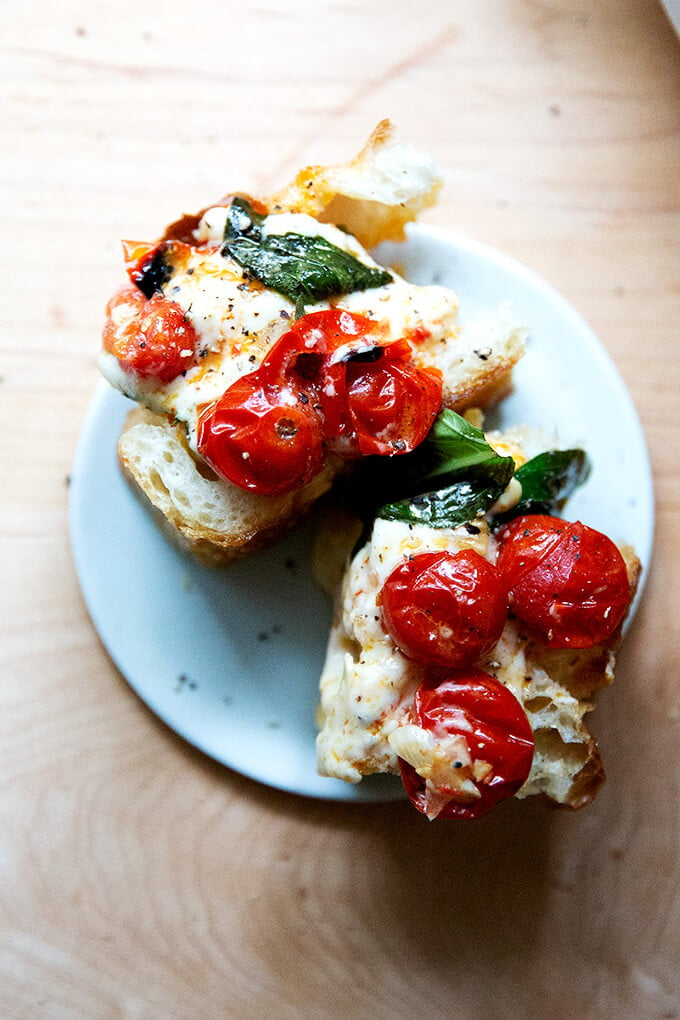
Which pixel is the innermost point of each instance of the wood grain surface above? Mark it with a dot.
(137, 877)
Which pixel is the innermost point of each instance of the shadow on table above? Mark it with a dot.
(480, 884)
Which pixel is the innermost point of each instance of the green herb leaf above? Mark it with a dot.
(447, 508)
(451, 478)
(547, 481)
(304, 269)
(460, 445)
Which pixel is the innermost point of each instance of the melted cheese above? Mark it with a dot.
(367, 685)
(237, 319)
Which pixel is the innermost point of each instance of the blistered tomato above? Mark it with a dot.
(263, 440)
(567, 581)
(391, 405)
(331, 383)
(474, 706)
(151, 337)
(443, 608)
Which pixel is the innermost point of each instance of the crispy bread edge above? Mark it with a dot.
(211, 547)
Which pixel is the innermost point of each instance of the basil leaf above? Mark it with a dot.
(304, 269)
(467, 473)
(547, 481)
(459, 445)
(155, 271)
(447, 508)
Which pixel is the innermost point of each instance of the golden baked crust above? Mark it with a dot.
(373, 196)
(200, 512)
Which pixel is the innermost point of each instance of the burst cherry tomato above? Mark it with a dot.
(476, 706)
(373, 400)
(150, 337)
(567, 581)
(347, 367)
(391, 405)
(265, 440)
(312, 341)
(331, 382)
(444, 609)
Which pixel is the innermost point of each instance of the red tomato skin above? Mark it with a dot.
(345, 368)
(156, 340)
(259, 442)
(136, 254)
(375, 404)
(392, 407)
(333, 363)
(444, 609)
(240, 434)
(566, 581)
(313, 340)
(475, 705)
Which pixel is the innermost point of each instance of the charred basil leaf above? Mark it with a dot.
(455, 476)
(447, 508)
(451, 478)
(154, 271)
(304, 269)
(547, 481)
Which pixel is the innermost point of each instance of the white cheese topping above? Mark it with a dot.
(367, 684)
(237, 319)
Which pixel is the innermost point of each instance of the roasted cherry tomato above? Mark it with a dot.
(476, 706)
(391, 405)
(375, 401)
(372, 398)
(444, 609)
(566, 581)
(330, 382)
(343, 368)
(150, 337)
(265, 440)
(312, 341)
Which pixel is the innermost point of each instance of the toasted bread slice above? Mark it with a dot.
(219, 522)
(373, 196)
(237, 320)
(367, 685)
(202, 513)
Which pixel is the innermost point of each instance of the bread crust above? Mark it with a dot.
(201, 513)
(366, 196)
(583, 673)
(374, 196)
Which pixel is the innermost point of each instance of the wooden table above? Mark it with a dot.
(140, 879)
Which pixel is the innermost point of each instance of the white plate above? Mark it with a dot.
(230, 659)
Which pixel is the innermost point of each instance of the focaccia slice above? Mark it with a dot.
(237, 320)
(367, 685)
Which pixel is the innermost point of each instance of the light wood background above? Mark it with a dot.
(138, 878)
